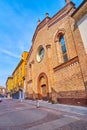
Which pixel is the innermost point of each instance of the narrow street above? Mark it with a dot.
(17, 115)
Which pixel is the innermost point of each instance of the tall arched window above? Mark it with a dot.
(63, 47)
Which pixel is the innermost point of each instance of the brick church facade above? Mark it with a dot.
(56, 68)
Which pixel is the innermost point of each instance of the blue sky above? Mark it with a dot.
(18, 21)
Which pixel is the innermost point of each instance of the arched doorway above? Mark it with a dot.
(21, 94)
(43, 91)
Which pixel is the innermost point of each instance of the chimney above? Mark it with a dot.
(67, 1)
(47, 15)
(38, 21)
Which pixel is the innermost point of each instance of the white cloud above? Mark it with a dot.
(9, 53)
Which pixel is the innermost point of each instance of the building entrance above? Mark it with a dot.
(21, 94)
(43, 91)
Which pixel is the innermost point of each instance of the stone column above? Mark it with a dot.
(59, 52)
(32, 79)
(50, 70)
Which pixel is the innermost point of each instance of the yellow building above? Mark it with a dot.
(9, 85)
(19, 74)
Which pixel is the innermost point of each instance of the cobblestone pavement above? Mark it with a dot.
(16, 115)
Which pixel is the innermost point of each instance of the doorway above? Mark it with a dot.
(21, 94)
(43, 91)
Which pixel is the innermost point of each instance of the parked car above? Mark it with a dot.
(0, 100)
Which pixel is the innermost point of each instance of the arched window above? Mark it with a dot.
(63, 47)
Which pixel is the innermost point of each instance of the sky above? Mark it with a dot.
(18, 21)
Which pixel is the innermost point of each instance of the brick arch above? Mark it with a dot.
(58, 34)
(43, 86)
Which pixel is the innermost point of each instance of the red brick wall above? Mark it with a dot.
(69, 79)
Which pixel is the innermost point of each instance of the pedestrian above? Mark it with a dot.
(37, 103)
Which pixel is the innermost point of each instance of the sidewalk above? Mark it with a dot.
(68, 108)
(73, 117)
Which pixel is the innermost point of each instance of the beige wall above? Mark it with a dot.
(82, 25)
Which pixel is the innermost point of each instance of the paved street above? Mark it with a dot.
(17, 115)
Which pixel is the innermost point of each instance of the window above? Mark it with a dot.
(63, 47)
(40, 53)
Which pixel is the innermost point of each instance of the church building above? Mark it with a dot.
(56, 68)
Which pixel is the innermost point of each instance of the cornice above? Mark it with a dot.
(61, 14)
(30, 81)
(80, 11)
(68, 63)
(48, 46)
(82, 4)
